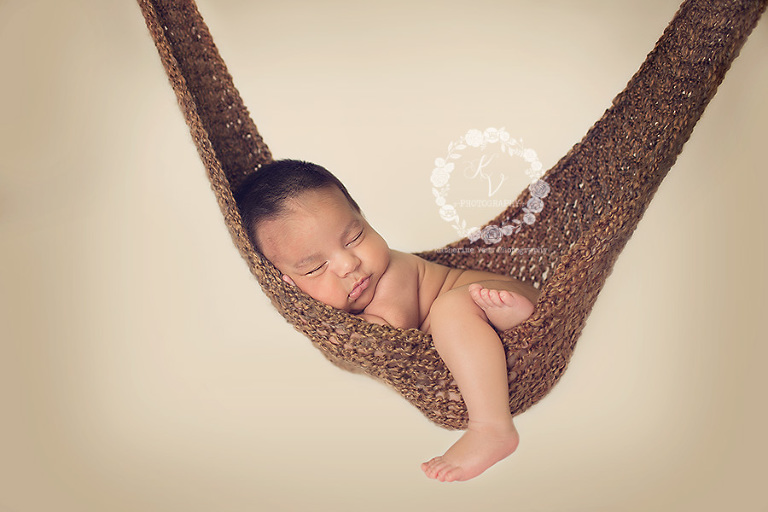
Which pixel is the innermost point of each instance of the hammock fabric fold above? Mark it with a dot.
(598, 193)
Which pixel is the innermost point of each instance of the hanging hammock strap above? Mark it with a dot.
(629, 150)
(224, 133)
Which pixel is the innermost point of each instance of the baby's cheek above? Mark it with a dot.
(327, 291)
(307, 287)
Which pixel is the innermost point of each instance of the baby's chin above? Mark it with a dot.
(357, 307)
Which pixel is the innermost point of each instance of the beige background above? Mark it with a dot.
(142, 369)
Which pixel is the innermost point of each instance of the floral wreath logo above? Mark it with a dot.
(444, 167)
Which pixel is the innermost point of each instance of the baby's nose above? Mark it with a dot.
(348, 263)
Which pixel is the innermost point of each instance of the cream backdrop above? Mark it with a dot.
(143, 370)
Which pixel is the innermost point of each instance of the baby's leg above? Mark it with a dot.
(473, 352)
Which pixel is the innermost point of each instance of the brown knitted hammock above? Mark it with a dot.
(600, 190)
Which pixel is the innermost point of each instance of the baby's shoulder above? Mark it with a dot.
(432, 278)
(404, 273)
(406, 263)
(427, 273)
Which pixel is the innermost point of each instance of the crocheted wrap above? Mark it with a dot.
(601, 189)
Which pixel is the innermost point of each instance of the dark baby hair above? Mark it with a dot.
(263, 194)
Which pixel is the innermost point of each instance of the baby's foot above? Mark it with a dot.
(479, 448)
(504, 309)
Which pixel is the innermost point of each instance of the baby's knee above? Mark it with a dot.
(454, 304)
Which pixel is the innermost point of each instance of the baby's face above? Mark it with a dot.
(327, 249)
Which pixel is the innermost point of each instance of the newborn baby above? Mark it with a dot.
(301, 218)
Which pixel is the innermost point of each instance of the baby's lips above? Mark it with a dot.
(359, 288)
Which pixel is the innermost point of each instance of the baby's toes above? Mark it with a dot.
(495, 298)
(479, 295)
(488, 296)
(427, 465)
(431, 467)
(451, 475)
(474, 292)
(446, 472)
(506, 298)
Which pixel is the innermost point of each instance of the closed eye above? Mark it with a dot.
(315, 270)
(357, 237)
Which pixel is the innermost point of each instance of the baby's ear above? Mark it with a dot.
(288, 280)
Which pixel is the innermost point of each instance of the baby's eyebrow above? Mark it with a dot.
(353, 225)
(304, 262)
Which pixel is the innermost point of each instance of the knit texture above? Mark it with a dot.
(598, 192)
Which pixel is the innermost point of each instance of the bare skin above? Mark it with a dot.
(326, 248)
(481, 374)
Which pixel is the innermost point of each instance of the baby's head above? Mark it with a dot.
(302, 219)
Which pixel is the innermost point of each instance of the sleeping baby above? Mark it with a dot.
(303, 220)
